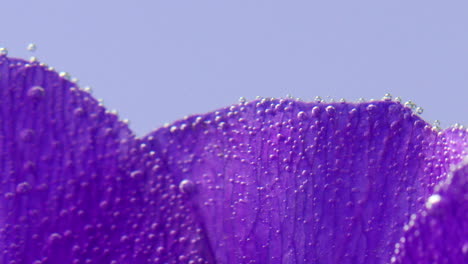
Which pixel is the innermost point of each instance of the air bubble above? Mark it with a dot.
(54, 237)
(433, 199)
(186, 186)
(410, 105)
(88, 89)
(301, 115)
(3, 51)
(387, 97)
(23, 187)
(330, 110)
(136, 174)
(316, 111)
(65, 75)
(31, 47)
(436, 125)
(371, 108)
(36, 92)
(419, 110)
(27, 135)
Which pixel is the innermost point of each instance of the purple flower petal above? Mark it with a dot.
(270, 181)
(439, 234)
(279, 181)
(76, 186)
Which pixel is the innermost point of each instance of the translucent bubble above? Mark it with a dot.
(371, 108)
(316, 111)
(31, 47)
(330, 110)
(436, 125)
(36, 92)
(387, 97)
(27, 135)
(301, 115)
(419, 110)
(54, 237)
(65, 75)
(3, 51)
(88, 89)
(23, 187)
(410, 104)
(186, 186)
(433, 199)
(136, 174)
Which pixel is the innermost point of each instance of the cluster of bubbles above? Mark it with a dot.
(387, 97)
(32, 47)
(436, 125)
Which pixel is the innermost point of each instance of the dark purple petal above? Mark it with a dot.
(280, 181)
(439, 234)
(76, 187)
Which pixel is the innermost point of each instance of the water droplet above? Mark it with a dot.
(3, 51)
(36, 92)
(398, 99)
(65, 75)
(436, 125)
(330, 109)
(31, 47)
(242, 100)
(54, 237)
(410, 105)
(301, 115)
(433, 199)
(136, 174)
(387, 97)
(79, 112)
(316, 111)
(371, 108)
(88, 89)
(27, 135)
(186, 186)
(419, 110)
(318, 99)
(23, 187)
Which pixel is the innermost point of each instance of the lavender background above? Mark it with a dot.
(157, 61)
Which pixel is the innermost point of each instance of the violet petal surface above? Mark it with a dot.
(269, 181)
(77, 187)
(439, 234)
(281, 181)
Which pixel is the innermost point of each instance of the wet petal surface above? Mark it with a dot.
(269, 181)
(76, 186)
(280, 181)
(439, 234)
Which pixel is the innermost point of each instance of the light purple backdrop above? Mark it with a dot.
(157, 61)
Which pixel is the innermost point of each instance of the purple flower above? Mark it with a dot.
(267, 181)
